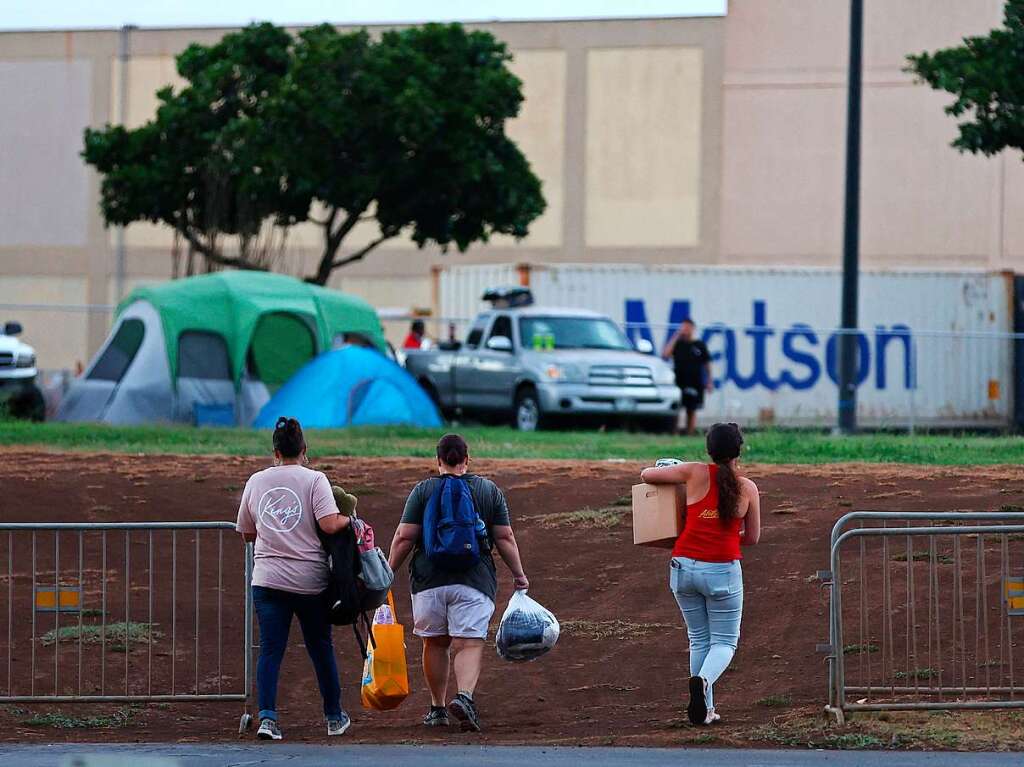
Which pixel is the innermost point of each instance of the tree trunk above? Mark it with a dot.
(332, 242)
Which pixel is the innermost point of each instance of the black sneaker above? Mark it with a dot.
(269, 730)
(463, 708)
(437, 717)
(697, 711)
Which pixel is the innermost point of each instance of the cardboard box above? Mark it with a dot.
(658, 514)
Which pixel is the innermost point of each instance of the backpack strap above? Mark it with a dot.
(369, 634)
(359, 639)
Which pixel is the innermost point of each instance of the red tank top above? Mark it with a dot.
(704, 537)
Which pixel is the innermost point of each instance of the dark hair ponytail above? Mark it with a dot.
(452, 450)
(288, 438)
(724, 442)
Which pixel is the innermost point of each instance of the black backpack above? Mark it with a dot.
(345, 596)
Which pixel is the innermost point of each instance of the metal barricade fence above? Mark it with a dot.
(126, 612)
(925, 611)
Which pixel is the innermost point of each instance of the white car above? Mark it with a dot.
(19, 394)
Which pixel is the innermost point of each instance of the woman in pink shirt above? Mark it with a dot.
(281, 509)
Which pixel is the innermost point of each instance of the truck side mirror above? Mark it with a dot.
(499, 344)
(12, 329)
(644, 346)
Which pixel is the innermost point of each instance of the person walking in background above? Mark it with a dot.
(281, 508)
(692, 363)
(417, 336)
(453, 607)
(723, 512)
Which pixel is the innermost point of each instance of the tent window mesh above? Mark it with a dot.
(120, 352)
(281, 344)
(203, 355)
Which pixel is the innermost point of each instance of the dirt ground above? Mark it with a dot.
(617, 675)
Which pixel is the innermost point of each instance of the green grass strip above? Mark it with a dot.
(772, 446)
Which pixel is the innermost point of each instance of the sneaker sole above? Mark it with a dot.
(438, 723)
(697, 711)
(456, 709)
(267, 736)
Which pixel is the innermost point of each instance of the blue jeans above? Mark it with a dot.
(710, 595)
(274, 609)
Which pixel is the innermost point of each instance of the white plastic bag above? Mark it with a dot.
(527, 629)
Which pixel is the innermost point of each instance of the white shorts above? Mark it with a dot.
(455, 611)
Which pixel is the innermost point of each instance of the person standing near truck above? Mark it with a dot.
(692, 362)
(417, 336)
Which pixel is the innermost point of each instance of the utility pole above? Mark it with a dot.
(848, 346)
(124, 54)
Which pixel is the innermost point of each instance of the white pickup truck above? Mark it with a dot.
(532, 364)
(20, 397)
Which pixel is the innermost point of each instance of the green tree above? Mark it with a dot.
(406, 132)
(986, 75)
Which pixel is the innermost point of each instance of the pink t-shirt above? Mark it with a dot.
(281, 505)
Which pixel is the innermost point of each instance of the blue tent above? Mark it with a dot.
(352, 386)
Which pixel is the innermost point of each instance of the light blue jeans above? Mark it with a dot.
(710, 595)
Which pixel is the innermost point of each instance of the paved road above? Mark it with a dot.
(272, 755)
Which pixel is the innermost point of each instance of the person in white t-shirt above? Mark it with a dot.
(281, 509)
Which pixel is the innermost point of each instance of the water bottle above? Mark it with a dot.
(384, 615)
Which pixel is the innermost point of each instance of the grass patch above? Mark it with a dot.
(775, 701)
(917, 673)
(118, 635)
(624, 500)
(61, 721)
(924, 556)
(853, 649)
(898, 730)
(600, 519)
(613, 629)
(767, 446)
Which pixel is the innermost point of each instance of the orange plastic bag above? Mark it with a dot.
(385, 674)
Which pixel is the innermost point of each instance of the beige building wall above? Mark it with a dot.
(716, 140)
(784, 102)
(621, 121)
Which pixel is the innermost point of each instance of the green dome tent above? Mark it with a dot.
(213, 348)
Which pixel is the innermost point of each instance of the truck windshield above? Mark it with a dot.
(571, 333)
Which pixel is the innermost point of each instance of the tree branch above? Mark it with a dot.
(332, 241)
(214, 255)
(361, 253)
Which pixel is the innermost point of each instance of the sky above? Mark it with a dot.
(91, 14)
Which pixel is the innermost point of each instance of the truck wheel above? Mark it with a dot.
(28, 404)
(527, 411)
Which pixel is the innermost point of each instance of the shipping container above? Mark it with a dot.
(935, 348)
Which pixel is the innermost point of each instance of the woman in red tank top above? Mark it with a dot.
(723, 512)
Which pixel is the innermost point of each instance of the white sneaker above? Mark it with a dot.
(712, 717)
(338, 726)
(269, 730)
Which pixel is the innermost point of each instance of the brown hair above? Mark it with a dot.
(288, 438)
(452, 450)
(724, 442)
